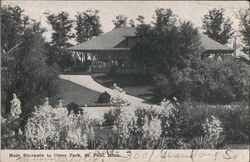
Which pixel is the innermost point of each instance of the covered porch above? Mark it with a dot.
(107, 61)
(218, 54)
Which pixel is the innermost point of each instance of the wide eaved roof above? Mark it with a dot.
(211, 45)
(109, 40)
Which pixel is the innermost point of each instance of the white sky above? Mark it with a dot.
(186, 10)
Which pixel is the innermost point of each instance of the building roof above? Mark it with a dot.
(211, 45)
(109, 41)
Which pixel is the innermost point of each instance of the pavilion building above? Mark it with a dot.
(111, 52)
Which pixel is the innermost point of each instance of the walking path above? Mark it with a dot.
(88, 82)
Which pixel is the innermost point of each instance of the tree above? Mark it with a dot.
(245, 30)
(120, 20)
(62, 25)
(36, 79)
(166, 45)
(13, 24)
(217, 27)
(140, 19)
(23, 67)
(132, 23)
(62, 28)
(172, 49)
(164, 19)
(87, 25)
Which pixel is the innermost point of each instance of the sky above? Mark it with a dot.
(186, 10)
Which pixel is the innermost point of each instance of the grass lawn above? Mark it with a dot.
(135, 85)
(71, 92)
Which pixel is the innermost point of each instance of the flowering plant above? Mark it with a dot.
(118, 97)
(149, 127)
(213, 131)
(15, 105)
(50, 128)
(213, 135)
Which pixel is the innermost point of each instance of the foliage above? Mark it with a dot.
(48, 128)
(217, 27)
(165, 19)
(152, 127)
(132, 23)
(56, 56)
(140, 19)
(166, 45)
(120, 21)
(206, 81)
(66, 59)
(13, 25)
(74, 108)
(172, 124)
(233, 118)
(24, 70)
(213, 130)
(172, 48)
(104, 97)
(15, 106)
(245, 29)
(62, 26)
(168, 126)
(87, 25)
(118, 98)
(110, 116)
(11, 134)
(51, 128)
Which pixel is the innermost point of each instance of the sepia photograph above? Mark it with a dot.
(125, 75)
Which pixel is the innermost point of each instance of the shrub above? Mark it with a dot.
(213, 137)
(118, 98)
(104, 97)
(234, 120)
(51, 128)
(209, 81)
(188, 125)
(149, 127)
(75, 108)
(110, 116)
(162, 88)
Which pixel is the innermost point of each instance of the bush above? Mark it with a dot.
(75, 108)
(234, 119)
(104, 97)
(110, 116)
(119, 97)
(50, 128)
(189, 125)
(209, 81)
(149, 127)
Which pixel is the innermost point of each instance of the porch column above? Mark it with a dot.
(85, 56)
(92, 60)
(82, 58)
(74, 55)
(109, 61)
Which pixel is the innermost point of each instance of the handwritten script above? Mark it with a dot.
(125, 155)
